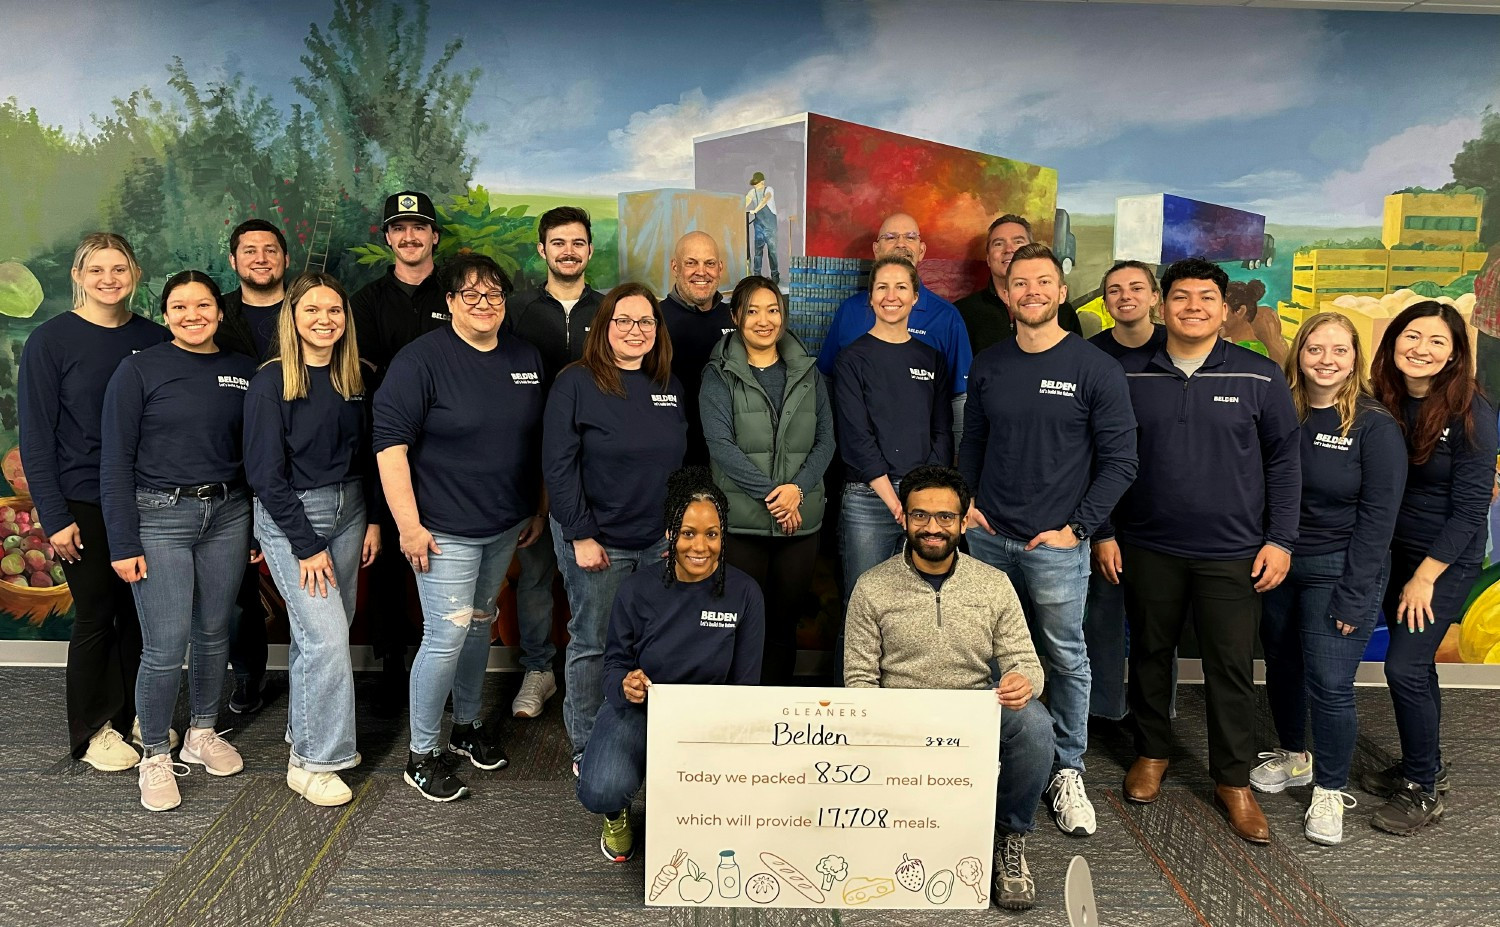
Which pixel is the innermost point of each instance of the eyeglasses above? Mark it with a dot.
(893, 237)
(624, 325)
(919, 517)
(472, 297)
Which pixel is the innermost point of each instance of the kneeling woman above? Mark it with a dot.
(171, 479)
(307, 456)
(656, 635)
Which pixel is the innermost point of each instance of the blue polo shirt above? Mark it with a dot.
(933, 321)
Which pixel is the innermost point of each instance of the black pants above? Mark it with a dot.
(386, 616)
(1225, 611)
(783, 567)
(104, 651)
(247, 630)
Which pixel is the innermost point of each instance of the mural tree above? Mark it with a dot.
(1478, 165)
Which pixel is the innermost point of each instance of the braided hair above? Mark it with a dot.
(684, 487)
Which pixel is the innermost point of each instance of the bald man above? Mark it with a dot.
(933, 320)
(697, 318)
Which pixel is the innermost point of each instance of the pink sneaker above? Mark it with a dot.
(158, 782)
(204, 747)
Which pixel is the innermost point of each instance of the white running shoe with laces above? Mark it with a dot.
(1324, 821)
(1071, 808)
(536, 688)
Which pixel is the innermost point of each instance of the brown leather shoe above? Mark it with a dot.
(1143, 782)
(1245, 817)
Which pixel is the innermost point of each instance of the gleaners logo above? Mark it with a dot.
(664, 400)
(823, 708)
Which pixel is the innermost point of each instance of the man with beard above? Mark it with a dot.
(389, 313)
(1049, 445)
(901, 634)
(697, 317)
(555, 318)
(258, 256)
(986, 314)
(933, 319)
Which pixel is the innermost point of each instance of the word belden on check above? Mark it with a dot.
(784, 734)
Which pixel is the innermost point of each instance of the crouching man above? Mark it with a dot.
(933, 618)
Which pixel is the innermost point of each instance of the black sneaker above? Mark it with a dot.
(1409, 810)
(467, 740)
(1384, 783)
(430, 774)
(247, 698)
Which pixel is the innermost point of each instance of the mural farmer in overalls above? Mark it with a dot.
(760, 205)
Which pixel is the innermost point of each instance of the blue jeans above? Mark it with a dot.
(458, 594)
(534, 601)
(765, 237)
(196, 550)
(1052, 584)
(1026, 748)
(320, 706)
(1409, 668)
(613, 768)
(591, 596)
(1107, 633)
(868, 535)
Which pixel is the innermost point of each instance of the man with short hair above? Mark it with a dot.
(986, 314)
(555, 318)
(760, 205)
(902, 634)
(390, 313)
(697, 317)
(1049, 445)
(1207, 526)
(933, 320)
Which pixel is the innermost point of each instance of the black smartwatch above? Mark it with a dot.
(1079, 531)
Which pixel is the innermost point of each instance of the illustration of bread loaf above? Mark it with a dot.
(793, 876)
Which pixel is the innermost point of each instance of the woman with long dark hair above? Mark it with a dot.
(1423, 373)
(615, 429)
(1315, 625)
(769, 428)
(65, 367)
(172, 483)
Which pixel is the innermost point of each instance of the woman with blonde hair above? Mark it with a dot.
(307, 457)
(1315, 625)
(65, 368)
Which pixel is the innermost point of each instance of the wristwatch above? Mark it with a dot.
(1079, 531)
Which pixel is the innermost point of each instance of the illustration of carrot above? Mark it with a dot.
(667, 876)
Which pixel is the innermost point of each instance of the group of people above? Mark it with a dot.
(668, 457)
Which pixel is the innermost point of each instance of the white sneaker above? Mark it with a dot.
(1324, 821)
(536, 688)
(206, 748)
(135, 735)
(1282, 769)
(158, 782)
(320, 788)
(1071, 808)
(108, 751)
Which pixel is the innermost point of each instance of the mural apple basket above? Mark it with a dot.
(31, 602)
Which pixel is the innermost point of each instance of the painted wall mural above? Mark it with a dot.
(1318, 176)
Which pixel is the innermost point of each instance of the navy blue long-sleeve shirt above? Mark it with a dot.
(1049, 437)
(320, 440)
(1351, 490)
(683, 633)
(1105, 341)
(471, 422)
(1221, 473)
(607, 458)
(172, 418)
(892, 407)
(65, 368)
(1447, 499)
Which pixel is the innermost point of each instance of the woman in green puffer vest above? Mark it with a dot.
(770, 437)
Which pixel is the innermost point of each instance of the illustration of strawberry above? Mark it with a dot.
(910, 874)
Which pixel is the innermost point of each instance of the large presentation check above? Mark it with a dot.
(792, 797)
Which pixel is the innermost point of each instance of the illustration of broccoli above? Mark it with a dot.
(834, 869)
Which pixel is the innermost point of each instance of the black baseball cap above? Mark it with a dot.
(409, 205)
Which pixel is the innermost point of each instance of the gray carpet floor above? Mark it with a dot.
(76, 848)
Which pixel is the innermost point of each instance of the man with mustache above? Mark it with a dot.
(933, 618)
(986, 314)
(697, 317)
(390, 313)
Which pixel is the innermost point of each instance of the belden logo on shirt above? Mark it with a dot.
(1332, 442)
(1226, 399)
(719, 620)
(1057, 388)
(526, 378)
(442, 317)
(664, 400)
(234, 382)
(917, 373)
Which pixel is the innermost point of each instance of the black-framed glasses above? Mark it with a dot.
(495, 298)
(624, 325)
(919, 517)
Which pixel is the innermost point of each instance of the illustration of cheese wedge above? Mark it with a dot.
(862, 889)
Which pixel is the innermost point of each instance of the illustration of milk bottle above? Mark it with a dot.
(729, 875)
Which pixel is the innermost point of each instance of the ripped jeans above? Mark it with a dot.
(458, 594)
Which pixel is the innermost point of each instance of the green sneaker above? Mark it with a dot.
(616, 842)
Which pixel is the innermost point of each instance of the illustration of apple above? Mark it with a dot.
(695, 886)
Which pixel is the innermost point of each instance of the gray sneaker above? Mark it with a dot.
(1324, 821)
(536, 688)
(1014, 888)
(1281, 770)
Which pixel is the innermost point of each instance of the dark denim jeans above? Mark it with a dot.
(1309, 662)
(614, 766)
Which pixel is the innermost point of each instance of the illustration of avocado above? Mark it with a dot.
(940, 887)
